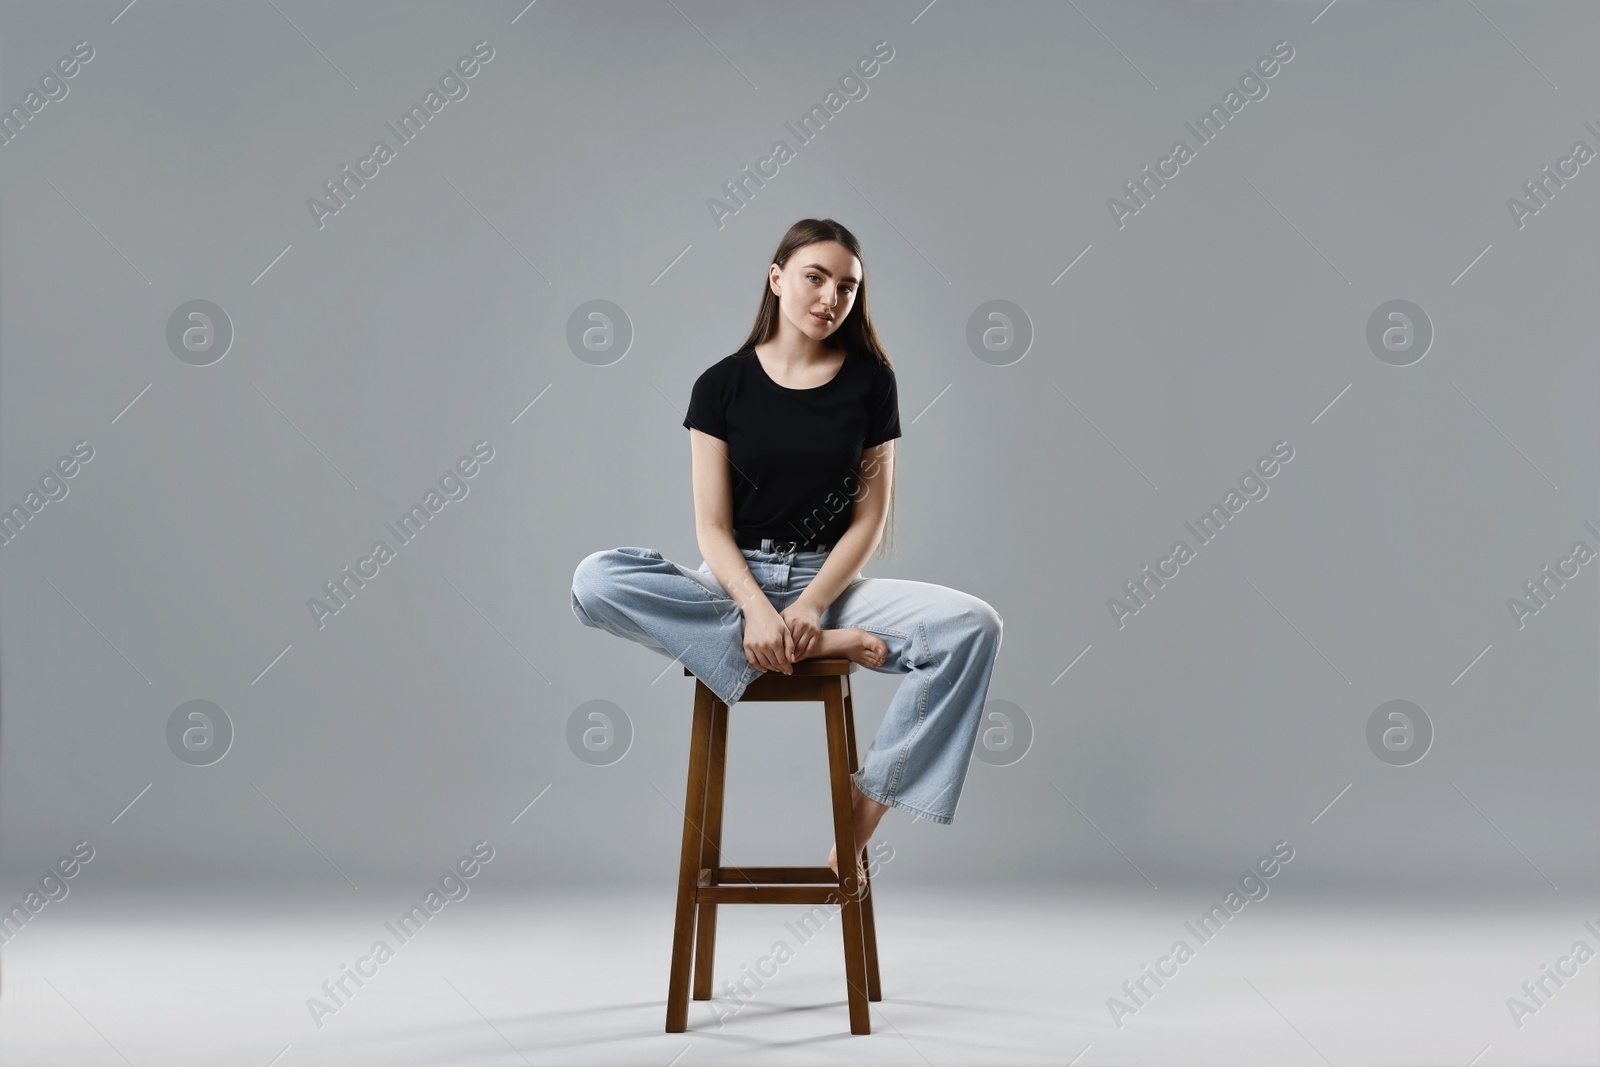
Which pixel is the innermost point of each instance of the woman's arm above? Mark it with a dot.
(851, 551)
(768, 644)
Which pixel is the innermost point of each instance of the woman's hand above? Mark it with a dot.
(805, 624)
(768, 644)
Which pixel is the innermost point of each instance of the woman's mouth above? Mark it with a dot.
(823, 319)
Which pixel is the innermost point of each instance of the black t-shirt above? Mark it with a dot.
(795, 454)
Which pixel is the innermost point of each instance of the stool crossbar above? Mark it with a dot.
(703, 883)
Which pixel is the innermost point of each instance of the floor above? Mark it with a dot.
(970, 976)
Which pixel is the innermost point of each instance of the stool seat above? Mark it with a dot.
(805, 667)
(703, 882)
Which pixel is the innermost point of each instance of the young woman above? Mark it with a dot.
(792, 444)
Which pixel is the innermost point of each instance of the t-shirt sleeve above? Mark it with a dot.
(883, 420)
(707, 412)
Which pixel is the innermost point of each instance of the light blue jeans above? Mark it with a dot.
(944, 641)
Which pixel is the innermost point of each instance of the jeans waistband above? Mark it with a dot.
(781, 546)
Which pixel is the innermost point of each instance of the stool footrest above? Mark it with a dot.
(770, 876)
(768, 885)
(769, 894)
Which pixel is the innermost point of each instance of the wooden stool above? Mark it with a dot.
(703, 883)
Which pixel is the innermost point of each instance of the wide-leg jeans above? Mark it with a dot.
(943, 640)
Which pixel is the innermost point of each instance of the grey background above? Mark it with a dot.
(430, 312)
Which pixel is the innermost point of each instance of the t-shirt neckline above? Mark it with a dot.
(786, 389)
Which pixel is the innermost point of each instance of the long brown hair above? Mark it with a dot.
(856, 335)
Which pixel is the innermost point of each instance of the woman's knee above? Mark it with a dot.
(987, 620)
(977, 619)
(595, 577)
(597, 573)
(592, 572)
(587, 578)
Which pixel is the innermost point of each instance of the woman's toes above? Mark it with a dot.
(872, 651)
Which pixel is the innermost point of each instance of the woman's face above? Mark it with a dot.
(817, 287)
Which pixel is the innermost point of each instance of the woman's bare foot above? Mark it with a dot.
(856, 645)
(865, 814)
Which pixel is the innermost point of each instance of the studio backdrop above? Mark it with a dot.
(1246, 365)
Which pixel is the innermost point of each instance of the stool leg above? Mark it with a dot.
(689, 861)
(705, 946)
(868, 927)
(850, 893)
